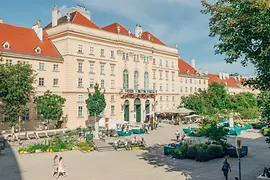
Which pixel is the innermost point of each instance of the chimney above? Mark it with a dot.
(58, 14)
(193, 63)
(224, 76)
(220, 75)
(54, 16)
(1, 21)
(138, 31)
(38, 30)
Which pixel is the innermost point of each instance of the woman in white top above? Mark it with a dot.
(61, 168)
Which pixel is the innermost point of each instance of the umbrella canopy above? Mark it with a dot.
(177, 111)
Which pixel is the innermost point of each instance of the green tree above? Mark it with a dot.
(96, 102)
(243, 29)
(210, 129)
(50, 106)
(16, 89)
(264, 105)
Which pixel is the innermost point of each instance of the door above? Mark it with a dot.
(137, 105)
(147, 107)
(126, 111)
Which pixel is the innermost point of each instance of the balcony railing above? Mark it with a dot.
(139, 91)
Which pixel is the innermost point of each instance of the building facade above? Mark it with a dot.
(137, 71)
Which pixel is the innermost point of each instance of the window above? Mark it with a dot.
(127, 56)
(124, 56)
(160, 75)
(160, 62)
(80, 111)
(25, 62)
(138, 58)
(41, 66)
(125, 79)
(160, 86)
(160, 107)
(6, 45)
(8, 61)
(91, 50)
(167, 63)
(80, 49)
(102, 68)
(112, 54)
(41, 81)
(181, 79)
(136, 80)
(204, 82)
(102, 53)
(195, 89)
(80, 82)
(112, 69)
(181, 88)
(55, 82)
(154, 86)
(154, 61)
(167, 87)
(199, 81)
(112, 98)
(190, 80)
(167, 106)
(146, 80)
(172, 64)
(91, 67)
(112, 83)
(144, 59)
(173, 99)
(173, 87)
(167, 98)
(92, 83)
(160, 98)
(102, 84)
(173, 76)
(154, 74)
(134, 57)
(38, 50)
(80, 97)
(112, 109)
(186, 89)
(80, 67)
(190, 89)
(167, 75)
(55, 67)
(186, 80)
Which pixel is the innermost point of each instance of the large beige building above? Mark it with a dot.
(137, 70)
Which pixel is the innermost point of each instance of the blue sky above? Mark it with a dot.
(172, 21)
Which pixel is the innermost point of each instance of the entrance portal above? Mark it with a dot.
(137, 105)
(126, 110)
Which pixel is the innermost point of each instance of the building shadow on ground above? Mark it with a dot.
(9, 166)
(154, 156)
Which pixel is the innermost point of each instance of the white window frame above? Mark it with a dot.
(55, 67)
(80, 98)
(41, 66)
(102, 53)
(80, 49)
(92, 67)
(55, 82)
(92, 50)
(112, 109)
(112, 83)
(102, 68)
(92, 83)
(41, 82)
(112, 69)
(102, 84)
(80, 82)
(80, 111)
(80, 67)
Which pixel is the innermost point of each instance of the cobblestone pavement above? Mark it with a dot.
(149, 164)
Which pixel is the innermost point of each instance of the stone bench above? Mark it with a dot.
(51, 133)
(32, 136)
(23, 137)
(42, 135)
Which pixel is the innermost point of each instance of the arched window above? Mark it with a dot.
(146, 80)
(125, 79)
(136, 80)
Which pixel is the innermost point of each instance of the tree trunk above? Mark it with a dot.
(96, 128)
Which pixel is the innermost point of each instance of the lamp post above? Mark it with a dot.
(238, 142)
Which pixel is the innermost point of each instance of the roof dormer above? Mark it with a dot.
(38, 50)
(6, 45)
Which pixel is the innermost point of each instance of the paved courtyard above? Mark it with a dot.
(148, 164)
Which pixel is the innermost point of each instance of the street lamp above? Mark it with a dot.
(238, 143)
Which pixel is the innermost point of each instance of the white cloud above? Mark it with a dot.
(64, 9)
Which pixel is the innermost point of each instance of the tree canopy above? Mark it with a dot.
(243, 29)
(50, 106)
(96, 102)
(216, 100)
(16, 89)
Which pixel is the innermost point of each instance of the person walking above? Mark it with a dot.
(177, 134)
(61, 168)
(225, 168)
(55, 165)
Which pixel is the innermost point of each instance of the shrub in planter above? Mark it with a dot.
(184, 148)
(203, 154)
(177, 153)
(215, 151)
(192, 151)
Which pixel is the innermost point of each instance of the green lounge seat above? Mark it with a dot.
(121, 133)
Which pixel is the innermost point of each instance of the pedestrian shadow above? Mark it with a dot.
(9, 166)
(154, 156)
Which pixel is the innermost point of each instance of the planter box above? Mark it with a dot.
(168, 150)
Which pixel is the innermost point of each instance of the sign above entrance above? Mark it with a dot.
(140, 91)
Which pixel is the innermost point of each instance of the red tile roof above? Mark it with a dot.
(113, 28)
(24, 41)
(228, 81)
(76, 18)
(185, 68)
(153, 38)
